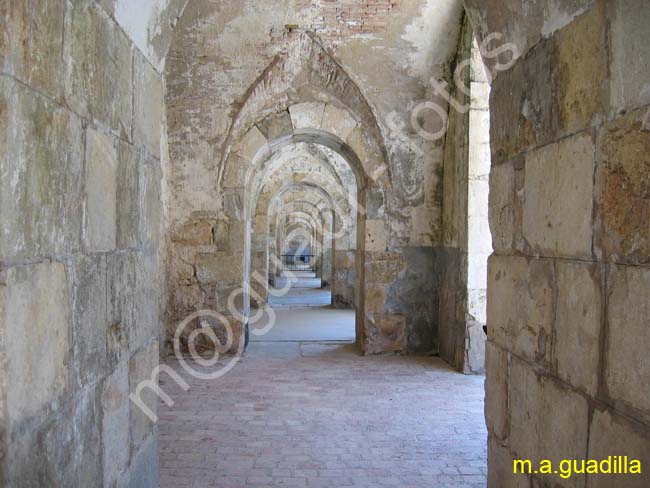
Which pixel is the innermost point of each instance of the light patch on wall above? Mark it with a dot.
(135, 17)
(144, 22)
(429, 33)
(408, 178)
(556, 15)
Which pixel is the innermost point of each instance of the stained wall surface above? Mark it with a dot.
(567, 367)
(81, 213)
(93, 207)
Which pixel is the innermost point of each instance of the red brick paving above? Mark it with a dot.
(322, 416)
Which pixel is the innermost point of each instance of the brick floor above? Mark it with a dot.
(313, 415)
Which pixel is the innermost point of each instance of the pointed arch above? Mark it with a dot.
(305, 73)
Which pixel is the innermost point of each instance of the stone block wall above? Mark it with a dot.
(406, 296)
(206, 267)
(569, 281)
(80, 211)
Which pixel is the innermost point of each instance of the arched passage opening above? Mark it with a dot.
(322, 217)
(305, 96)
(316, 255)
(304, 177)
(336, 182)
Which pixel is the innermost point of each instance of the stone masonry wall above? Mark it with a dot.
(81, 118)
(567, 357)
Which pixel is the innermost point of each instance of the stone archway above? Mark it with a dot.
(329, 198)
(321, 215)
(333, 142)
(252, 142)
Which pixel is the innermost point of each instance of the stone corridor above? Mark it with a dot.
(464, 186)
(318, 415)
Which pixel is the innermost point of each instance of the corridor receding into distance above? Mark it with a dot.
(324, 243)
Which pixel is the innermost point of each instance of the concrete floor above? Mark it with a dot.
(303, 315)
(314, 324)
(301, 298)
(319, 415)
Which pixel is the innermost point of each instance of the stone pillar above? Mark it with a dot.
(259, 282)
(328, 248)
(479, 239)
(272, 253)
(344, 279)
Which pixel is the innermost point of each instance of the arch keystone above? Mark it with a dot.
(307, 115)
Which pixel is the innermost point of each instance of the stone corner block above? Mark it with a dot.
(96, 44)
(613, 435)
(376, 238)
(219, 267)
(142, 366)
(276, 126)
(621, 191)
(630, 39)
(496, 390)
(90, 319)
(34, 41)
(307, 115)
(338, 121)
(115, 424)
(41, 170)
(385, 333)
(560, 433)
(148, 96)
(501, 208)
(500, 473)
(127, 203)
(578, 324)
